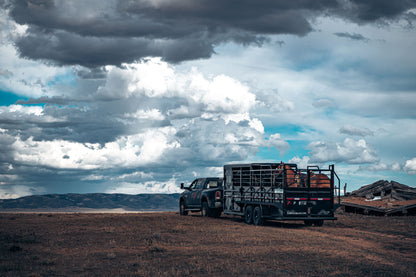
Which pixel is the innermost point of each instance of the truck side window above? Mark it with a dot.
(193, 185)
(200, 184)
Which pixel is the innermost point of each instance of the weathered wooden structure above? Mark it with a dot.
(385, 189)
(381, 198)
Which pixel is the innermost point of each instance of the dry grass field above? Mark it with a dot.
(167, 244)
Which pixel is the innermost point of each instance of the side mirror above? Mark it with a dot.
(182, 186)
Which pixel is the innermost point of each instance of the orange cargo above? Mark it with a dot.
(320, 181)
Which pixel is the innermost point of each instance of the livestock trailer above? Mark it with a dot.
(281, 191)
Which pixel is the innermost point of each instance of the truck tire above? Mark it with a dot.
(182, 209)
(257, 216)
(205, 210)
(308, 222)
(248, 214)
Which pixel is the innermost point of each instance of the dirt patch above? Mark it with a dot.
(167, 244)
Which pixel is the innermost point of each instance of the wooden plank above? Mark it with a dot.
(408, 210)
(362, 209)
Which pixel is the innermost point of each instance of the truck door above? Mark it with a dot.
(188, 197)
(196, 193)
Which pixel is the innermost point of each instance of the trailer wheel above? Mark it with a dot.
(182, 209)
(318, 223)
(257, 216)
(205, 211)
(248, 214)
(308, 222)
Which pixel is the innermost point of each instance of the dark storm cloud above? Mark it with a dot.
(353, 36)
(68, 123)
(410, 17)
(79, 125)
(92, 73)
(112, 32)
(96, 33)
(167, 19)
(6, 147)
(43, 179)
(70, 48)
(371, 10)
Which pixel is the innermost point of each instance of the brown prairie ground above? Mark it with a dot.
(167, 244)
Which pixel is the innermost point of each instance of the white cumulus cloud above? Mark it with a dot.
(147, 116)
(349, 151)
(126, 151)
(301, 162)
(410, 166)
(276, 141)
(155, 79)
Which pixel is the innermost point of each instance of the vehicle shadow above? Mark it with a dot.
(282, 224)
(269, 223)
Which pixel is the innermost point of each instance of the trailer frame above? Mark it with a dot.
(281, 191)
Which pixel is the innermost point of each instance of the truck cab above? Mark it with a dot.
(204, 195)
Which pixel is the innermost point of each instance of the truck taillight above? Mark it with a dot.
(218, 195)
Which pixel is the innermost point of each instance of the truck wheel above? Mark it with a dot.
(308, 222)
(248, 214)
(182, 209)
(318, 223)
(257, 216)
(205, 211)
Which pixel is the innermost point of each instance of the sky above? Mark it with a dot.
(119, 96)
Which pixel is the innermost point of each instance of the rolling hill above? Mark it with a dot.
(97, 201)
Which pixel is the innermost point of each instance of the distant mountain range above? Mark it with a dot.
(96, 201)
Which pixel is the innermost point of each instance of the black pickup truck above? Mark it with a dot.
(205, 195)
(261, 191)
